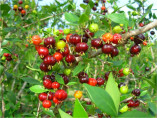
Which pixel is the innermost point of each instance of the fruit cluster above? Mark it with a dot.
(20, 8)
(9, 57)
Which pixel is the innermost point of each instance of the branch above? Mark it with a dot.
(38, 110)
(2, 91)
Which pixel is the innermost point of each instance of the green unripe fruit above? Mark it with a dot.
(126, 71)
(60, 44)
(66, 31)
(1, 69)
(117, 29)
(56, 32)
(67, 71)
(124, 89)
(134, 13)
(3, 58)
(5, 42)
(124, 109)
(93, 27)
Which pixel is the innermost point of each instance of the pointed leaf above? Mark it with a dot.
(59, 79)
(78, 69)
(38, 89)
(63, 114)
(72, 18)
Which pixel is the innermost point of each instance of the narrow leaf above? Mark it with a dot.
(31, 80)
(38, 89)
(78, 69)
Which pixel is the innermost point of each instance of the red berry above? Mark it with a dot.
(43, 52)
(88, 102)
(70, 58)
(116, 38)
(61, 95)
(121, 73)
(74, 39)
(88, 33)
(138, 39)
(144, 43)
(94, 8)
(106, 75)
(47, 103)
(20, 1)
(107, 48)
(84, 79)
(44, 67)
(50, 95)
(20, 8)
(136, 103)
(135, 49)
(68, 37)
(58, 56)
(47, 83)
(103, 8)
(55, 85)
(82, 74)
(65, 78)
(42, 96)
(84, 39)
(49, 60)
(7, 55)
(92, 82)
(115, 52)
(130, 103)
(69, 112)
(100, 81)
(36, 39)
(65, 52)
(49, 42)
(56, 101)
(81, 47)
(96, 43)
(23, 12)
(100, 115)
(141, 24)
(136, 92)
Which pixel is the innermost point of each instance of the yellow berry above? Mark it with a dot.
(15, 6)
(78, 94)
(26, 6)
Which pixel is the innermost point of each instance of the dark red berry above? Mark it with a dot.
(100, 81)
(115, 52)
(44, 67)
(107, 48)
(130, 103)
(49, 60)
(20, 8)
(136, 103)
(147, 68)
(53, 77)
(82, 74)
(136, 92)
(97, 43)
(50, 95)
(135, 49)
(20, 1)
(42, 96)
(43, 52)
(88, 102)
(66, 78)
(65, 52)
(94, 8)
(47, 77)
(106, 75)
(47, 103)
(47, 83)
(49, 42)
(70, 58)
(100, 115)
(138, 39)
(88, 34)
(84, 79)
(61, 95)
(116, 38)
(81, 47)
(74, 39)
(55, 85)
(86, 1)
(152, 32)
(69, 112)
(84, 39)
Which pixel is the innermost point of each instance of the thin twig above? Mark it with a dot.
(2, 91)
(38, 109)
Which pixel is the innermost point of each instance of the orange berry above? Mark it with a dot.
(108, 37)
(78, 94)
(103, 8)
(145, 43)
(15, 7)
(132, 38)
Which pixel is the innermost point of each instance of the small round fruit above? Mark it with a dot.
(121, 84)
(92, 82)
(74, 39)
(78, 94)
(147, 68)
(141, 24)
(103, 8)
(135, 13)
(93, 27)
(26, 6)
(130, 103)
(67, 71)
(88, 102)
(116, 38)
(23, 12)
(65, 78)
(49, 60)
(152, 32)
(66, 31)
(15, 7)
(83, 79)
(43, 52)
(56, 101)
(47, 83)
(121, 73)
(20, 1)
(70, 58)
(107, 37)
(42, 96)
(124, 109)
(50, 95)
(67, 37)
(69, 112)
(61, 95)
(124, 89)
(58, 56)
(44, 67)
(55, 85)
(96, 43)
(136, 103)
(47, 104)
(94, 8)
(136, 92)
(126, 71)
(88, 34)
(117, 29)
(20, 8)
(131, 38)
(36, 39)
(107, 75)
(100, 81)
(49, 42)
(144, 43)
(60, 44)
(138, 39)
(135, 49)
(107, 48)
(81, 47)
(100, 115)
(114, 52)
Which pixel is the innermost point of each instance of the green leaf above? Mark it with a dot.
(78, 69)
(31, 80)
(144, 93)
(131, 7)
(5, 8)
(151, 83)
(79, 111)
(118, 18)
(134, 114)
(99, 33)
(88, 10)
(101, 99)
(38, 89)
(71, 83)
(48, 112)
(83, 6)
(12, 97)
(59, 79)
(114, 92)
(83, 18)
(72, 18)
(153, 107)
(63, 114)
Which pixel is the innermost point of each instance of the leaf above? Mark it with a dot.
(118, 18)
(5, 8)
(71, 83)
(101, 99)
(12, 97)
(99, 33)
(83, 6)
(134, 114)
(83, 18)
(38, 89)
(59, 79)
(79, 111)
(31, 80)
(63, 114)
(144, 93)
(131, 7)
(78, 69)
(48, 112)
(151, 83)
(72, 18)
(114, 92)
(153, 107)
(88, 10)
